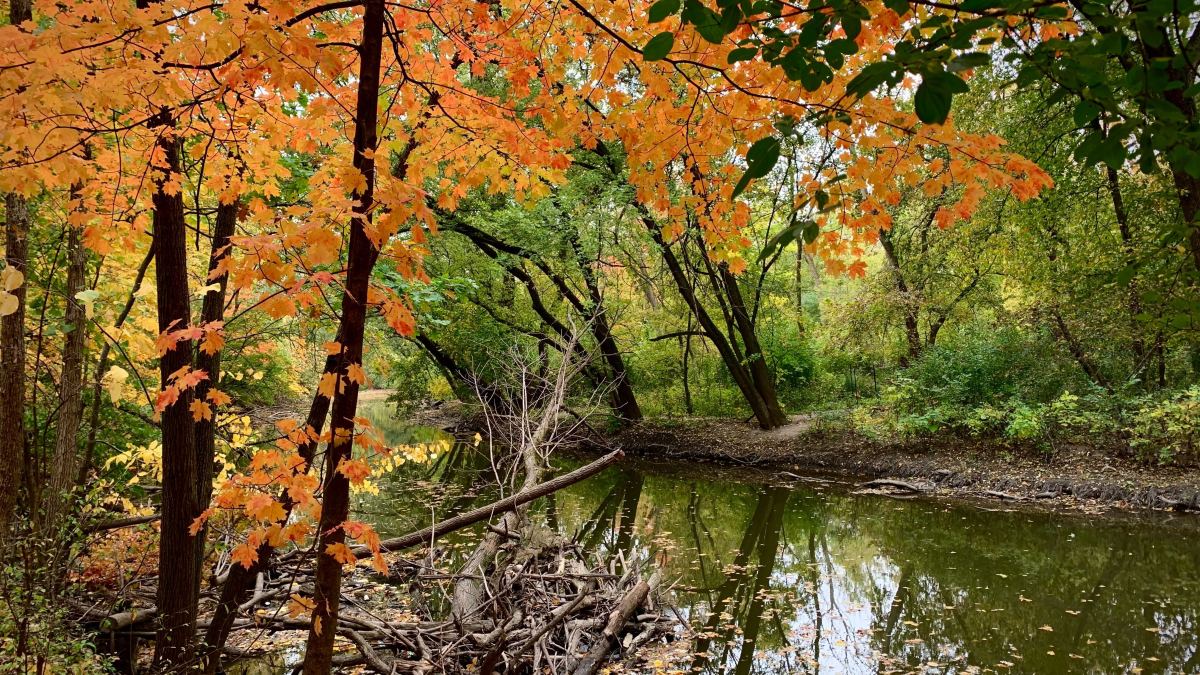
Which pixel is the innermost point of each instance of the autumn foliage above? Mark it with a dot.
(474, 98)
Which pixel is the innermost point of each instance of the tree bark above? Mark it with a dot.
(733, 364)
(12, 338)
(178, 564)
(12, 356)
(212, 311)
(361, 259)
(64, 468)
(911, 329)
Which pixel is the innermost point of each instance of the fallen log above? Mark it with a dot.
(92, 528)
(121, 620)
(625, 609)
(893, 483)
(487, 512)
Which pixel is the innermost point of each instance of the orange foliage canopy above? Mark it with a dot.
(493, 96)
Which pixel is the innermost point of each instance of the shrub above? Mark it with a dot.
(1168, 430)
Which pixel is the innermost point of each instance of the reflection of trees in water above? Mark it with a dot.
(740, 600)
(615, 515)
(863, 584)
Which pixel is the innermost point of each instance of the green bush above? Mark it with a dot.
(1168, 429)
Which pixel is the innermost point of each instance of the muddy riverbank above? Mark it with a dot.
(1075, 476)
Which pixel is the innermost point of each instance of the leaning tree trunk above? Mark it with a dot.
(741, 376)
(361, 259)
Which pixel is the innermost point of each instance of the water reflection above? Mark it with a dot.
(811, 578)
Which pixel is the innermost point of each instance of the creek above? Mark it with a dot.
(807, 576)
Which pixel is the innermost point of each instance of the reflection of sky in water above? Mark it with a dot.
(869, 584)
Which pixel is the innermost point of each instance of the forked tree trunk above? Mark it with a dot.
(361, 258)
(213, 310)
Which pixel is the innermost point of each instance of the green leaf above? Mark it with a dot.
(935, 95)
(706, 21)
(742, 54)
(662, 9)
(760, 159)
(795, 230)
(1085, 112)
(659, 46)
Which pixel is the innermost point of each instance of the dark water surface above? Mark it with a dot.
(806, 577)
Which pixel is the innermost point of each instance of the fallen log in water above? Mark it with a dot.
(495, 508)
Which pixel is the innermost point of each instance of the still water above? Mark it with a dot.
(807, 577)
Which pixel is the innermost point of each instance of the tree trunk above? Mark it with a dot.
(737, 370)
(1076, 348)
(178, 564)
(624, 402)
(240, 581)
(64, 468)
(361, 258)
(12, 338)
(12, 355)
(212, 311)
(911, 329)
(764, 381)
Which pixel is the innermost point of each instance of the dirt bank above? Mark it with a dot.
(1075, 476)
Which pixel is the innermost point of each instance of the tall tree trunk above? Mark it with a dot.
(240, 581)
(1077, 350)
(1134, 302)
(361, 258)
(212, 311)
(12, 361)
(764, 381)
(798, 287)
(178, 564)
(12, 338)
(64, 466)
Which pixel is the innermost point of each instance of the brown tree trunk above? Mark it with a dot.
(361, 258)
(12, 359)
(624, 402)
(178, 564)
(764, 382)
(1076, 348)
(911, 329)
(12, 338)
(213, 310)
(64, 467)
(743, 379)
(240, 581)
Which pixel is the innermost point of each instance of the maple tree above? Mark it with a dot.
(158, 121)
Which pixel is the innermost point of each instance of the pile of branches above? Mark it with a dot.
(543, 605)
(524, 599)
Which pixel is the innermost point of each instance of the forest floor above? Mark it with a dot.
(1074, 476)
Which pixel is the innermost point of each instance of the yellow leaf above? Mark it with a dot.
(11, 278)
(356, 374)
(341, 553)
(200, 411)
